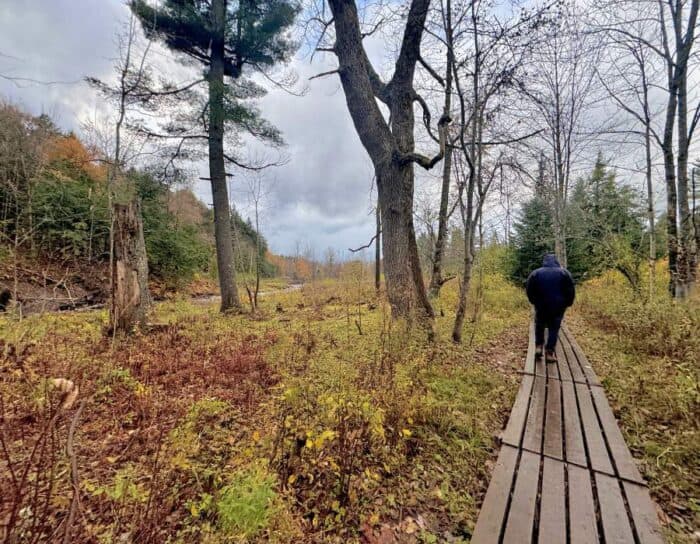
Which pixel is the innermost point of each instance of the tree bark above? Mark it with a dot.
(217, 170)
(378, 251)
(130, 298)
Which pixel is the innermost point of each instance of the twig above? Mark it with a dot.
(75, 481)
(371, 241)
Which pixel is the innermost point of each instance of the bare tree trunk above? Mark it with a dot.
(217, 171)
(436, 279)
(378, 251)
(687, 238)
(404, 278)
(130, 298)
(651, 215)
(468, 222)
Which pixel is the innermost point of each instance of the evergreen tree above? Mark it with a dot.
(228, 39)
(534, 237)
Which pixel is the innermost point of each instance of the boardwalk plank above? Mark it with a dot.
(616, 524)
(516, 421)
(522, 509)
(488, 526)
(532, 438)
(553, 371)
(590, 374)
(552, 434)
(577, 374)
(540, 368)
(582, 518)
(575, 450)
(624, 462)
(530, 357)
(597, 451)
(644, 514)
(562, 365)
(553, 503)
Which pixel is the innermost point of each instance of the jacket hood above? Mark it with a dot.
(550, 260)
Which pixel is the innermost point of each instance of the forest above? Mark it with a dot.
(267, 271)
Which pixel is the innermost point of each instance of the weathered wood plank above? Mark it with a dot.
(582, 519)
(552, 526)
(624, 462)
(553, 370)
(577, 374)
(562, 365)
(575, 450)
(516, 422)
(534, 425)
(488, 526)
(553, 445)
(540, 368)
(597, 451)
(522, 508)
(590, 374)
(613, 513)
(530, 357)
(646, 521)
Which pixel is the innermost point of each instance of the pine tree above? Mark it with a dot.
(229, 40)
(534, 237)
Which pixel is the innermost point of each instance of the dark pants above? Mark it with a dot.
(551, 321)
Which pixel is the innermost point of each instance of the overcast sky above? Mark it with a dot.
(321, 197)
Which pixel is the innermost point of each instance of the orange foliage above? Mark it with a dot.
(71, 151)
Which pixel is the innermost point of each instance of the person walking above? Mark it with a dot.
(550, 289)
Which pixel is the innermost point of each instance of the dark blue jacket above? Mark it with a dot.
(550, 288)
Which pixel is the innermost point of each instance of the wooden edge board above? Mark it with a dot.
(644, 515)
(490, 521)
(593, 434)
(624, 462)
(516, 422)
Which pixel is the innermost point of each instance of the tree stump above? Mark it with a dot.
(129, 289)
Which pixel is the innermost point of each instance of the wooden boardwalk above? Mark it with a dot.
(564, 473)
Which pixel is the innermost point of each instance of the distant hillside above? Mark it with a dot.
(54, 219)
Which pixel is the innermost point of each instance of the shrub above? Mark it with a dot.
(245, 506)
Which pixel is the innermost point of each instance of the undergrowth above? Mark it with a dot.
(647, 352)
(318, 419)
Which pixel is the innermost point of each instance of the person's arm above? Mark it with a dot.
(569, 288)
(530, 288)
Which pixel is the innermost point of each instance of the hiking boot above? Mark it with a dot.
(550, 356)
(538, 351)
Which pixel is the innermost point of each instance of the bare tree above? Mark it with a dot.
(630, 77)
(257, 194)
(487, 56)
(128, 262)
(389, 143)
(561, 88)
(669, 36)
